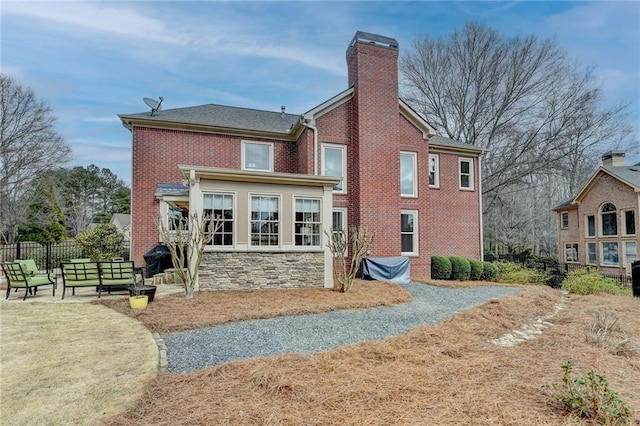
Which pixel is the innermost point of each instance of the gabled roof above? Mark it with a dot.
(218, 117)
(122, 219)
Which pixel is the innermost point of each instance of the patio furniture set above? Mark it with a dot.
(104, 276)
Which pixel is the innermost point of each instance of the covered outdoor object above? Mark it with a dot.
(393, 269)
(157, 260)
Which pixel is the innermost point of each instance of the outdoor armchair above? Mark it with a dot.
(79, 274)
(119, 274)
(18, 277)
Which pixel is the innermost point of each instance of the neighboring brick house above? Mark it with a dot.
(363, 157)
(599, 227)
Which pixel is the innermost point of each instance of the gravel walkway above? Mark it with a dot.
(196, 349)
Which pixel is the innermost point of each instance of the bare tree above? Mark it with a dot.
(345, 268)
(186, 239)
(537, 112)
(29, 147)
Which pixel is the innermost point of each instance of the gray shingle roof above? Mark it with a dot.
(438, 140)
(223, 116)
(629, 174)
(172, 189)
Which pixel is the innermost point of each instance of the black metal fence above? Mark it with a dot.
(49, 255)
(557, 269)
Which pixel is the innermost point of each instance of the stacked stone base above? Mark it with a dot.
(261, 270)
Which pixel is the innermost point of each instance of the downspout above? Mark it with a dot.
(480, 207)
(306, 122)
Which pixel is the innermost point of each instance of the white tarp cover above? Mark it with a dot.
(393, 269)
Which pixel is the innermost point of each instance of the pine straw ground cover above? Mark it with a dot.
(442, 375)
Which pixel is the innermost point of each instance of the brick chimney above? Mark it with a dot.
(613, 158)
(374, 163)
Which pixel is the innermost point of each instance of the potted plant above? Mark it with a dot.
(138, 300)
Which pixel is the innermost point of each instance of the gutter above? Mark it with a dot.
(306, 122)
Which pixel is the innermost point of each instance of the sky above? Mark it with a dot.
(93, 60)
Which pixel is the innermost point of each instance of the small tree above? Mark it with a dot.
(102, 243)
(186, 239)
(338, 242)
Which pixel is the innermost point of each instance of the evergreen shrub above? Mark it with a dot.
(440, 268)
(460, 268)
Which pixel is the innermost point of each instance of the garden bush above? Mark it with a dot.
(489, 271)
(440, 268)
(515, 274)
(589, 281)
(460, 268)
(476, 269)
(102, 243)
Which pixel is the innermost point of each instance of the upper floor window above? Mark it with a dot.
(219, 207)
(257, 156)
(265, 220)
(608, 216)
(334, 163)
(408, 181)
(565, 220)
(629, 222)
(591, 226)
(408, 232)
(307, 222)
(434, 170)
(466, 173)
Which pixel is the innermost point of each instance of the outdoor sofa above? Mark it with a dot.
(102, 275)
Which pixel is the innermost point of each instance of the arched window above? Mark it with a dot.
(609, 216)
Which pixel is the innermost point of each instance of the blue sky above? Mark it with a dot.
(93, 60)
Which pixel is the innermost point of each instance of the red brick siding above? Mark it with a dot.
(156, 156)
(454, 214)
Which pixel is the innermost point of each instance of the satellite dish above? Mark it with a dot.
(153, 104)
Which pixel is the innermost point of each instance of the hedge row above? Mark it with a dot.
(462, 269)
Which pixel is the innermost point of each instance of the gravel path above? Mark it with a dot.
(196, 349)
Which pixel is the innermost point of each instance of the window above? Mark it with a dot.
(220, 208)
(608, 216)
(307, 222)
(571, 252)
(610, 254)
(631, 251)
(334, 164)
(257, 156)
(265, 220)
(177, 217)
(591, 226)
(565, 220)
(408, 181)
(408, 233)
(434, 170)
(339, 219)
(466, 173)
(630, 222)
(591, 254)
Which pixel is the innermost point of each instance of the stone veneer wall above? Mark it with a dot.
(253, 270)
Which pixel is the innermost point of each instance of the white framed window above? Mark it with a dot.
(466, 173)
(590, 226)
(257, 156)
(177, 217)
(265, 220)
(609, 220)
(565, 220)
(306, 224)
(629, 225)
(334, 163)
(610, 254)
(339, 219)
(592, 254)
(409, 232)
(434, 170)
(630, 252)
(220, 207)
(408, 181)
(571, 252)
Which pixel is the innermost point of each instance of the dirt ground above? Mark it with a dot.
(451, 374)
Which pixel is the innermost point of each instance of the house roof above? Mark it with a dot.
(123, 219)
(442, 142)
(220, 116)
(171, 190)
(629, 175)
